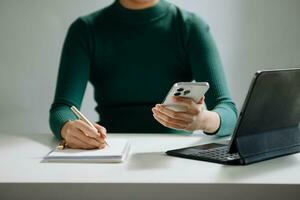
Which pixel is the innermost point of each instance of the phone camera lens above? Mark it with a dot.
(186, 92)
(177, 94)
(180, 89)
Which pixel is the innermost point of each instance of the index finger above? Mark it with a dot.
(181, 115)
(187, 102)
(86, 129)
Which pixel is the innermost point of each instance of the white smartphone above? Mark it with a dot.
(193, 90)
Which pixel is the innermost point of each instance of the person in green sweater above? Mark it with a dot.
(132, 52)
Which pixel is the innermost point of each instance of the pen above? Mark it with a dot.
(62, 145)
(83, 118)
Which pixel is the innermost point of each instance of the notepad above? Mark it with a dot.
(117, 151)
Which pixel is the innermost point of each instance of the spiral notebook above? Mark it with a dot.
(117, 151)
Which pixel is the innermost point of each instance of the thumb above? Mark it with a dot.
(202, 100)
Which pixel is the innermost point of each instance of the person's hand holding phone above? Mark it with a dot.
(79, 135)
(191, 119)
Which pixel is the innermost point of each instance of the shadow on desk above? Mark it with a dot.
(149, 160)
(254, 170)
(160, 160)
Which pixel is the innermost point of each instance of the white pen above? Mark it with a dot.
(83, 118)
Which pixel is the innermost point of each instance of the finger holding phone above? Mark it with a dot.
(183, 109)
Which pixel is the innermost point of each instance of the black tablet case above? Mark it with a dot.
(269, 124)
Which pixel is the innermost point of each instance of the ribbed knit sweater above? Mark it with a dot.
(132, 58)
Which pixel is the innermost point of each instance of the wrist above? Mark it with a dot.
(64, 130)
(210, 122)
(204, 120)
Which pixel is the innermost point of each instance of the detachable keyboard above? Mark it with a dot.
(213, 152)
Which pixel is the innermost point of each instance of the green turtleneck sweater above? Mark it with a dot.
(132, 58)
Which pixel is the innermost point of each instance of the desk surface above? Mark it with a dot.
(147, 174)
(21, 162)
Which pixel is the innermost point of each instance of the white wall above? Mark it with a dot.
(251, 35)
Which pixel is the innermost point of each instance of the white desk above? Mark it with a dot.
(147, 174)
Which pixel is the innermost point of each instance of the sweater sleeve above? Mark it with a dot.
(206, 66)
(73, 76)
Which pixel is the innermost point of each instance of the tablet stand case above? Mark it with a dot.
(270, 125)
(262, 146)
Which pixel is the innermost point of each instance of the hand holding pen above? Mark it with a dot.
(82, 134)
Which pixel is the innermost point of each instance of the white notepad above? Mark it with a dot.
(117, 151)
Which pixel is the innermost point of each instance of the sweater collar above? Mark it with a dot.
(140, 16)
